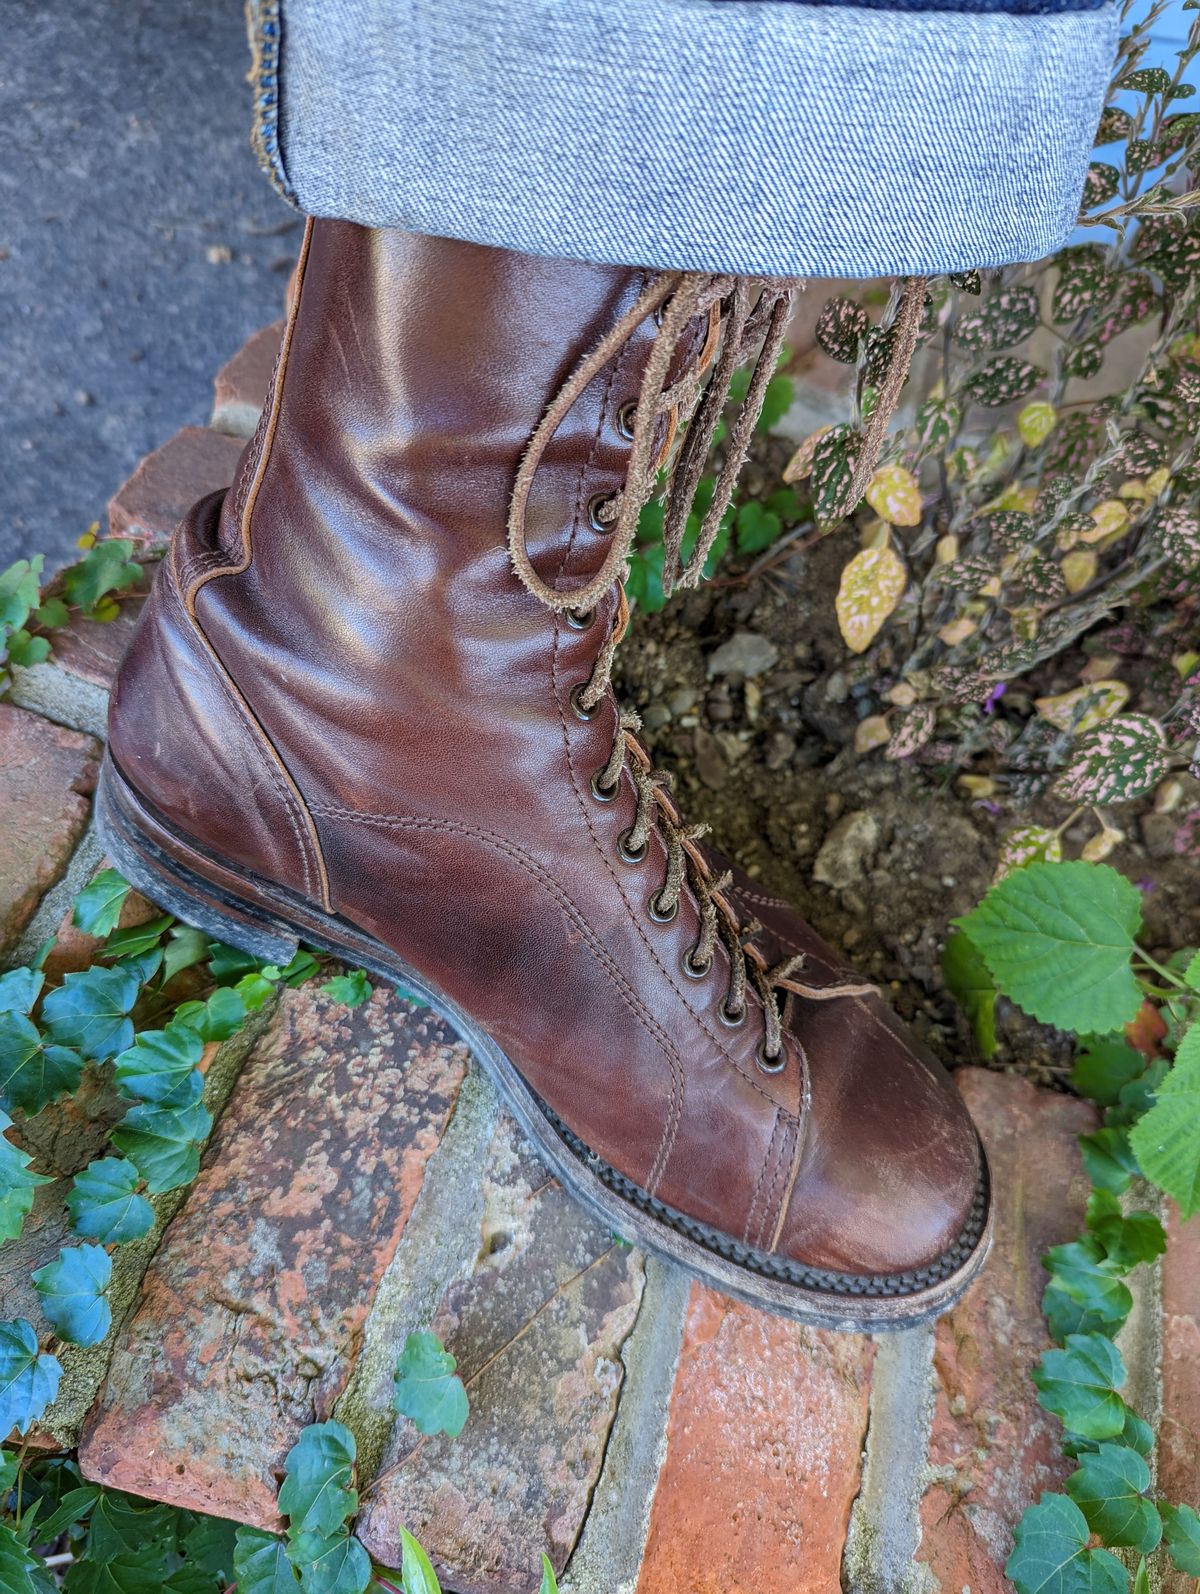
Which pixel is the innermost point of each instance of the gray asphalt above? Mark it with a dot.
(139, 245)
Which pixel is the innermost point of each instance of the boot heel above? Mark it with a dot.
(127, 831)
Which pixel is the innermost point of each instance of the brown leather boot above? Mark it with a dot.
(353, 716)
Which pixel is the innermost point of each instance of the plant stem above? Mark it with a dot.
(1169, 975)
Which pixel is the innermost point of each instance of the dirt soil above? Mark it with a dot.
(746, 700)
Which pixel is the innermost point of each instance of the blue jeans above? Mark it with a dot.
(758, 136)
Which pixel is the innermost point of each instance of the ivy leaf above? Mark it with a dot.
(1118, 761)
(1079, 1385)
(427, 1390)
(1105, 1067)
(19, 990)
(351, 989)
(89, 1011)
(185, 948)
(318, 1494)
(159, 1061)
(1002, 381)
(1109, 1489)
(1181, 1534)
(17, 1185)
(1126, 1241)
(1089, 1277)
(72, 1293)
(32, 1074)
(20, 1570)
(416, 1572)
(1057, 938)
(164, 1144)
(217, 1019)
(131, 1573)
(871, 586)
(98, 906)
(1108, 1160)
(1051, 1554)
(973, 989)
(105, 1206)
(337, 1565)
(28, 1379)
(138, 938)
(1065, 1315)
(260, 1564)
(549, 1583)
(1137, 1434)
(840, 328)
(1166, 1140)
(19, 590)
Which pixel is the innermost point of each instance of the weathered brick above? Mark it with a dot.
(764, 1454)
(1179, 1436)
(168, 482)
(47, 775)
(993, 1450)
(251, 1314)
(537, 1327)
(91, 650)
(242, 384)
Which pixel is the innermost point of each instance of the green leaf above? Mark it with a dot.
(645, 586)
(549, 1583)
(1002, 381)
(20, 1571)
(138, 938)
(98, 906)
(1109, 1489)
(32, 1074)
(1166, 1140)
(1181, 1534)
(1191, 974)
(1126, 1241)
(1051, 1554)
(427, 1389)
(185, 948)
(261, 1565)
(1085, 1273)
(1106, 1065)
(26, 650)
(1057, 938)
(19, 990)
(318, 1494)
(352, 988)
(104, 1204)
(1108, 1160)
(208, 1546)
(1066, 1315)
(131, 1573)
(105, 568)
(1079, 1385)
(416, 1573)
(336, 1565)
(123, 1525)
(217, 1019)
(72, 1293)
(52, 613)
(89, 1011)
(972, 987)
(17, 1186)
(28, 1379)
(72, 1508)
(159, 1061)
(1117, 761)
(226, 962)
(757, 528)
(255, 990)
(777, 401)
(1137, 1434)
(164, 1144)
(19, 590)
(1006, 317)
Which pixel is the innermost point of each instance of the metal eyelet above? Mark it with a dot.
(771, 1065)
(729, 1019)
(580, 620)
(577, 707)
(626, 416)
(595, 505)
(693, 968)
(626, 853)
(656, 913)
(604, 794)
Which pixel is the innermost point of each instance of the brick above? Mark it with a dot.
(168, 482)
(242, 384)
(251, 1314)
(537, 1325)
(1179, 1435)
(47, 775)
(993, 1450)
(91, 650)
(764, 1454)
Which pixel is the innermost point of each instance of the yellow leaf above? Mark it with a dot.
(1099, 846)
(871, 587)
(800, 464)
(976, 786)
(1079, 568)
(895, 495)
(871, 733)
(1028, 844)
(1157, 481)
(902, 695)
(1111, 518)
(990, 588)
(1105, 698)
(947, 549)
(957, 631)
(1020, 498)
(1035, 422)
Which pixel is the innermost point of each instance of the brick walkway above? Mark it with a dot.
(362, 1182)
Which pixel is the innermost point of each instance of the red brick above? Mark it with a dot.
(993, 1450)
(91, 650)
(1179, 1435)
(764, 1450)
(252, 1312)
(168, 482)
(537, 1327)
(242, 384)
(47, 775)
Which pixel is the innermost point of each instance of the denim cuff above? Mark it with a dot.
(770, 138)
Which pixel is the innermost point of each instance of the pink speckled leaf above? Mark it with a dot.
(1119, 761)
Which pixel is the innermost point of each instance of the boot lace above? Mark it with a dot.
(747, 319)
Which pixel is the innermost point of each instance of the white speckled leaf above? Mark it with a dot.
(871, 587)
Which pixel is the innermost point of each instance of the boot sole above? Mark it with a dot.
(269, 922)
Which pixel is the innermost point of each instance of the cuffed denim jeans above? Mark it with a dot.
(757, 136)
